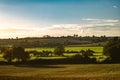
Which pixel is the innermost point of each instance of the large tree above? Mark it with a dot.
(16, 53)
(59, 50)
(112, 49)
(8, 54)
(20, 53)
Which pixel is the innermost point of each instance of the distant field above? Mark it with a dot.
(97, 54)
(60, 72)
(75, 48)
(39, 49)
(98, 51)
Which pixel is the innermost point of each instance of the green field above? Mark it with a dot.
(98, 51)
(75, 48)
(39, 49)
(97, 55)
(60, 72)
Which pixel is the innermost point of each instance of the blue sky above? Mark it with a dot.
(36, 18)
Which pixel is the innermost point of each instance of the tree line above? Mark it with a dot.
(49, 41)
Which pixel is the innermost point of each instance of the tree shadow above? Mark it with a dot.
(39, 66)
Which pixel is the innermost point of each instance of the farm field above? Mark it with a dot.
(74, 48)
(98, 51)
(60, 72)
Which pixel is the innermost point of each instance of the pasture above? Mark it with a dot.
(98, 52)
(74, 48)
(97, 49)
(60, 72)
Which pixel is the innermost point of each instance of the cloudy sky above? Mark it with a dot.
(35, 18)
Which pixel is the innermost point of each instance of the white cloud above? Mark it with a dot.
(84, 29)
(13, 27)
(90, 19)
(101, 20)
(114, 6)
(110, 20)
(81, 26)
(64, 29)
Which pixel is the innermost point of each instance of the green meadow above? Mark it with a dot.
(70, 48)
(98, 52)
(97, 49)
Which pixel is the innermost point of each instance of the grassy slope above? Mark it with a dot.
(60, 72)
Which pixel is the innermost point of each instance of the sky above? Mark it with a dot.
(36, 18)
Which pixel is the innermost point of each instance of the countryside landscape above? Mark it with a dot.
(59, 40)
(84, 61)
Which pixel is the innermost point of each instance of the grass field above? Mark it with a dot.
(75, 48)
(60, 72)
(98, 51)
(39, 49)
(97, 55)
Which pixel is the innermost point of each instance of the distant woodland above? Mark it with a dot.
(49, 41)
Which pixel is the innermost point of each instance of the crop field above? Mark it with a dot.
(60, 72)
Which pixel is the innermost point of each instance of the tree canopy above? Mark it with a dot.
(112, 49)
(59, 50)
(15, 53)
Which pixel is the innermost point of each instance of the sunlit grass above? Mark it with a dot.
(62, 72)
(39, 49)
(75, 48)
(98, 51)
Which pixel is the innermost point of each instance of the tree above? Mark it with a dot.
(87, 53)
(8, 55)
(75, 35)
(16, 52)
(20, 54)
(59, 50)
(85, 56)
(2, 49)
(82, 51)
(112, 49)
(45, 53)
